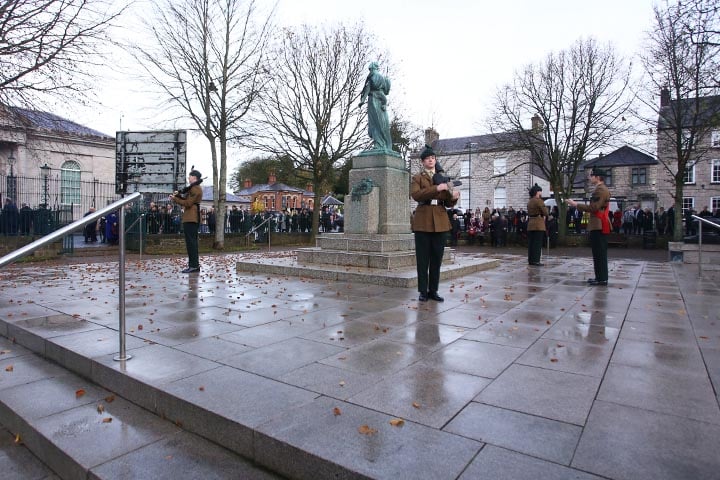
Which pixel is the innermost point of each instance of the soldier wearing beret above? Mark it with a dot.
(430, 224)
(537, 213)
(190, 199)
(599, 225)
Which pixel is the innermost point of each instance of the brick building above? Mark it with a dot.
(276, 196)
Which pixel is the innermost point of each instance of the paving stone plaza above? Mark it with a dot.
(522, 373)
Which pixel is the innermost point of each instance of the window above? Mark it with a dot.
(715, 204)
(70, 183)
(688, 202)
(715, 138)
(465, 167)
(500, 166)
(690, 174)
(639, 176)
(500, 198)
(608, 177)
(715, 171)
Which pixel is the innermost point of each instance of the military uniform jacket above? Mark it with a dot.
(537, 211)
(191, 204)
(599, 200)
(429, 218)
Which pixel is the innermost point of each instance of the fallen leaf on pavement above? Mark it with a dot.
(365, 430)
(336, 411)
(397, 422)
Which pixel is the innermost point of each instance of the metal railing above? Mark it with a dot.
(255, 228)
(702, 220)
(76, 225)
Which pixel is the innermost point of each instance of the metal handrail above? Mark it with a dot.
(76, 225)
(702, 220)
(256, 227)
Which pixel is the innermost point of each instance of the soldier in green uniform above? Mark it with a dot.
(599, 225)
(430, 224)
(537, 213)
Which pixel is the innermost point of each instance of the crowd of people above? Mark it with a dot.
(166, 220)
(494, 226)
(497, 225)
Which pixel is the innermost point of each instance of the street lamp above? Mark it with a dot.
(45, 172)
(470, 145)
(11, 180)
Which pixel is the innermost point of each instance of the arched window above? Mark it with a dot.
(70, 182)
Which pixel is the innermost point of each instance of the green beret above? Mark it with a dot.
(427, 152)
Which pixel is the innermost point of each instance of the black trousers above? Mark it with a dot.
(429, 248)
(535, 241)
(191, 243)
(599, 246)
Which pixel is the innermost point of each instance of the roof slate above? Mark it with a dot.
(275, 187)
(55, 123)
(209, 194)
(708, 108)
(623, 156)
(505, 141)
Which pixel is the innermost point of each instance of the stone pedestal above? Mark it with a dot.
(377, 219)
(363, 214)
(392, 180)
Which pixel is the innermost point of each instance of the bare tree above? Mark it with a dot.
(706, 31)
(49, 49)
(577, 98)
(310, 111)
(206, 59)
(681, 61)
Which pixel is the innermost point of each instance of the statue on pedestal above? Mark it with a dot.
(375, 91)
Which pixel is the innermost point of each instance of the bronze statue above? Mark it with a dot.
(375, 92)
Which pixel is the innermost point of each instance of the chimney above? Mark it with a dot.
(665, 97)
(271, 178)
(431, 136)
(309, 187)
(537, 124)
(247, 183)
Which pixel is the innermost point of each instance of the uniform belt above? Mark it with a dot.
(432, 202)
(533, 216)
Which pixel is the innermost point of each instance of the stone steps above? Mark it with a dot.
(81, 430)
(168, 400)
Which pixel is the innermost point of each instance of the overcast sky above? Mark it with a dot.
(450, 56)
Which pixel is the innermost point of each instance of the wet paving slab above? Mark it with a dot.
(511, 377)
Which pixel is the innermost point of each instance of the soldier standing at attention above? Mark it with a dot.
(599, 225)
(537, 213)
(430, 225)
